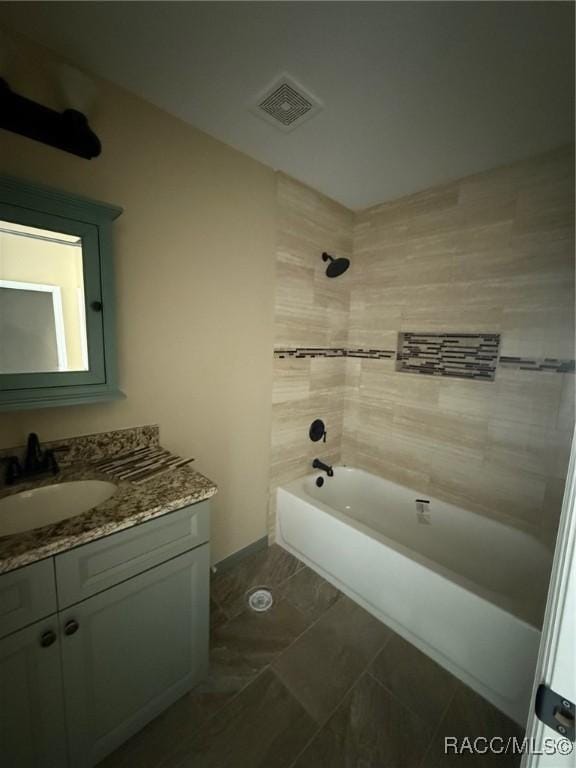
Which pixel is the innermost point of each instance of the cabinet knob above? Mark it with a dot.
(96, 306)
(47, 638)
(71, 627)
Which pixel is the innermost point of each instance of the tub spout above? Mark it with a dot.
(317, 464)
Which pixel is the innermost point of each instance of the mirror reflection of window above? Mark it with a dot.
(42, 307)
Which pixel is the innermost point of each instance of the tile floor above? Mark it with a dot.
(316, 682)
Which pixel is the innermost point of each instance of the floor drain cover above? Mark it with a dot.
(260, 600)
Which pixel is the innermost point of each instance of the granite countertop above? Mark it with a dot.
(131, 504)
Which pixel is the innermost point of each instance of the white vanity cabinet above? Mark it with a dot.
(32, 733)
(97, 641)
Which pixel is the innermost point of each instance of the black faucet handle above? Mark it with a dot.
(49, 462)
(13, 469)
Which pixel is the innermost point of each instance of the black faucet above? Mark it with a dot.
(36, 462)
(317, 464)
(33, 458)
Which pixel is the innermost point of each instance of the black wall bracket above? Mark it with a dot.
(68, 130)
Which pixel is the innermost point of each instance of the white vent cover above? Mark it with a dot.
(285, 104)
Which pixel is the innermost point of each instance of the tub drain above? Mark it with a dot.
(260, 600)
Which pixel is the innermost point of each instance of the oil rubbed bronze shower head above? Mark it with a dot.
(336, 267)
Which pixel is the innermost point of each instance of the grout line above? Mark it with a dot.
(227, 616)
(403, 704)
(302, 565)
(440, 723)
(344, 696)
(266, 667)
(269, 666)
(205, 721)
(304, 631)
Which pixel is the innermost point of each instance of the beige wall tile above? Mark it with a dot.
(531, 332)
(528, 447)
(291, 379)
(381, 385)
(493, 252)
(311, 310)
(507, 180)
(565, 419)
(447, 430)
(328, 377)
(398, 473)
(430, 201)
(530, 397)
(473, 398)
(452, 317)
(495, 491)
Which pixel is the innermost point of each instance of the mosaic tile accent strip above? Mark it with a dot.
(372, 354)
(463, 355)
(537, 364)
(460, 355)
(310, 352)
(301, 352)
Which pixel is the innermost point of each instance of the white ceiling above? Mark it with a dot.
(414, 93)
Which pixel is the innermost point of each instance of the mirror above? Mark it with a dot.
(57, 307)
(42, 305)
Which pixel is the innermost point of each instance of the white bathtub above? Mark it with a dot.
(467, 590)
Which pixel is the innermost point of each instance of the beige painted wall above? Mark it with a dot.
(492, 252)
(195, 273)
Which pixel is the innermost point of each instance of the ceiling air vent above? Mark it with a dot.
(285, 104)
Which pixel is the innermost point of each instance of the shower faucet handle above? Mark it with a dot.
(317, 431)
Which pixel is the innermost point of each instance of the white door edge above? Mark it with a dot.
(555, 667)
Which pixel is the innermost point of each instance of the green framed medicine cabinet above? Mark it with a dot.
(57, 312)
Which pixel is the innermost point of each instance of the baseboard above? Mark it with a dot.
(236, 557)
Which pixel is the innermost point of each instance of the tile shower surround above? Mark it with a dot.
(491, 253)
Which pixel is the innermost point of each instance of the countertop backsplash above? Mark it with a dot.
(85, 449)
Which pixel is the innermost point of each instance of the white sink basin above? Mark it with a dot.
(51, 503)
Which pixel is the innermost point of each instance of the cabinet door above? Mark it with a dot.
(31, 702)
(27, 595)
(131, 651)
